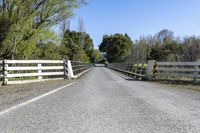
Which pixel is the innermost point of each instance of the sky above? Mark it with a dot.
(138, 17)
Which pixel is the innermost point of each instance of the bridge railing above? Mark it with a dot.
(159, 70)
(26, 71)
(1, 70)
(178, 70)
(136, 70)
(78, 68)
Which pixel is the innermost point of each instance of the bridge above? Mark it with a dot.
(103, 101)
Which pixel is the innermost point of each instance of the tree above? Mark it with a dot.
(48, 51)
(117, 47)
(81, 30)
(72, 49)
(27, 21)
(191, 48)
(65, 25)
(96, 56)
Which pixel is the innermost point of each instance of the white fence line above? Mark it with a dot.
(178, 69)
(130, 69)
(17, 71)
(26, 71)
(1, 70)
(77, 68)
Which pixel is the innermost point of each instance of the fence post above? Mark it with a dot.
(70, 70)
(65, 68)
(40, 71)
(150, 70)
(5, 72)
(195, 73)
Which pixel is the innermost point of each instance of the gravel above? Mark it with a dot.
(103, 102)
(11, 95)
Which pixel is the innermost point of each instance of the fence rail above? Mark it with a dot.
(178, 69)
(79, 68)
(1, 70)
(26, 71)
(159, 70)
(22, 71)
(130, 69)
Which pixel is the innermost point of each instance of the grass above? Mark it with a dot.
(181, 84)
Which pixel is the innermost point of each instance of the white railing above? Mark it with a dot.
(77, 68)
(23, 71)
(131, 69)
(178, 69)
(1, 70)
(26, 71)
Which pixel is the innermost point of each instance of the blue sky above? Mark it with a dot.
(138, 17)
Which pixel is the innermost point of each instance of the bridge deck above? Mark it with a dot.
(101, 101)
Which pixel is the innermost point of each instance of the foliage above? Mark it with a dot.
(25, 22)
(117, 47)
(163, 46)
(74, 48)
(96, 56)
(48, 51)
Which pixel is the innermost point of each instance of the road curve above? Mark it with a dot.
(103, 102)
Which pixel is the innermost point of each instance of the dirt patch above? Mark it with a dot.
(181, 84)
(14, 94)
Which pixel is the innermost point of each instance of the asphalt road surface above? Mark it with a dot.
(103, 102)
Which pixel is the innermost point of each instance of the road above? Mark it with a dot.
(103, 102)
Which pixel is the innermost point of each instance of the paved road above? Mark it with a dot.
(103, 102)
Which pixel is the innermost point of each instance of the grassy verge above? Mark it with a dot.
(181, 84)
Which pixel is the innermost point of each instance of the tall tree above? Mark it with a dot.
(81, 30)
(27, 21)
(191, 48)
(72, 49)
(117, 47)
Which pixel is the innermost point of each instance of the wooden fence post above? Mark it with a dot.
(5, 72)
(65, 68)
(149, 70)
(196, 73)
(40, 71)
(70, 70)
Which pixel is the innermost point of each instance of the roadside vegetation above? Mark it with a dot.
(26, 31)
(163, 46)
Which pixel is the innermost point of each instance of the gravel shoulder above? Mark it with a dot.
(103, 102)
(179, 85)
(11, 95)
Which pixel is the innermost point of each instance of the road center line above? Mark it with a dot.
(34, 99)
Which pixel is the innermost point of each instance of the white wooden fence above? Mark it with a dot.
(1, 70)
(74, 69)
(178, 69)
(159, 70)
(25, 71)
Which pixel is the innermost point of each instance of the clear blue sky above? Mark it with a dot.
(138, 17)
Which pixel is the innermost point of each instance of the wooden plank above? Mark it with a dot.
(178, 75)
(128, 72)
(179, 69)
(34, 61)
(74, 66)
(178, 63)
(80, 74)
(31, 81)
(35, 68)
(34, 74)
(81, 68)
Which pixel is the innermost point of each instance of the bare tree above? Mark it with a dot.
(191, 48)
(65, 25)
(81, 29)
